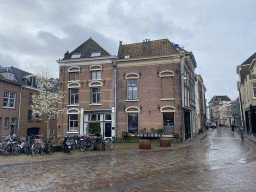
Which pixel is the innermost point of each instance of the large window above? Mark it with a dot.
(95, 95)
(9, 99)
(132, 122)
(168, 120)
(96, 75)
(73, 96)
(73, 122)
(132, 89)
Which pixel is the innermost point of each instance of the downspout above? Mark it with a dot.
(19, 111)
(182, 128)
(115, 64)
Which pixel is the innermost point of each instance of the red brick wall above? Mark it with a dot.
(7, 112)
(149, 95)
(107, 92)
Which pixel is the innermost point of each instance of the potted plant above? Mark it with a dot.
(159, 132)
(176, 136)
(145, 132)
(153, 131)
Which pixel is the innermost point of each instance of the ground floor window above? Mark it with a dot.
(73, 122)
(168, 120)
(132, 122)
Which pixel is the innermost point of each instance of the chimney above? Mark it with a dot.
(66, 54)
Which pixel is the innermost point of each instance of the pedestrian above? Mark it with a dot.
(233, 128)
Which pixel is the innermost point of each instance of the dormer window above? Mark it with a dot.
(76, 56)
(10, 76)
(31, 81)
(95, 54)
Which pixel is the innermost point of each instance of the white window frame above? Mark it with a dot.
(96, 93)
(7, 96)
(98, 74)
(72, 129)
(74, 76)
(74, 96)
(132, 89)
(254, 89)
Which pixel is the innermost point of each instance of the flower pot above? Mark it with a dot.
(145, 134)
(141, 135)
(145, 144)
(152, 135)
(165, 143)
(156, 135)
(149, 134)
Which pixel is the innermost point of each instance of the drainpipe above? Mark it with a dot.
(115, 64)
(182, 94)
(19, 110)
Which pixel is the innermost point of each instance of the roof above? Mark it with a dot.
(222, 97)
(245, 70)
(249, 60)
(147, 48)
(86, 50)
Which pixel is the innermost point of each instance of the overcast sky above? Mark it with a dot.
(220, 33)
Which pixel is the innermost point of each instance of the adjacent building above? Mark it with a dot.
(16, 88)
(247, 93)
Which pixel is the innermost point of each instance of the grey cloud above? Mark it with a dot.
(7, 61)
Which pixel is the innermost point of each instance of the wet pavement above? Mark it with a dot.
(215, 161)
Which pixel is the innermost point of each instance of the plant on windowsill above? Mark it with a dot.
(153, 132)
(160, 132)
(145, 132)
(125, 135)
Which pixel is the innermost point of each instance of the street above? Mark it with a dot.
(220, 162)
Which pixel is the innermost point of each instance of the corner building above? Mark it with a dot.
(151, 90)
(86, 80)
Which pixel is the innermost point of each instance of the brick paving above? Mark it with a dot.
(96, 170)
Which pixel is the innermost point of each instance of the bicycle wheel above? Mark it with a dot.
(32, 150)
(90, 145)
(111, 145)
(5, 151)
(15, 150)
(242, 136)
(82, 146)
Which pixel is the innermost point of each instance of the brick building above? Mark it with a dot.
(9, 102)
(16, 88)
(87, 83)
(155, 88)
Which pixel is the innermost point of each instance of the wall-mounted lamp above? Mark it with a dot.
(124, 75)
(184, 78)
(158, 107)
(124, 107)
(141, 108)
(157, 72)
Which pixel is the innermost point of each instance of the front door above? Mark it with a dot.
(187, 125)
(107, 130)
(32, 131)
(168, 119)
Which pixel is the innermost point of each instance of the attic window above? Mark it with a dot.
(76, 56)
(126, 56)
(95, 54)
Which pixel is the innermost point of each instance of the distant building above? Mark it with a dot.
(215, 105)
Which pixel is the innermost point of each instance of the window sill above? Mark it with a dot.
(8, 107)
(95, 79)
(167, 99)
(72, 132)
(75, 105)
(95, 104)
(132, 100)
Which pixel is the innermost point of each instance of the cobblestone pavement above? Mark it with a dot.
(214, 161)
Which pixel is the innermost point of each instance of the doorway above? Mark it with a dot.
(168, 120)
